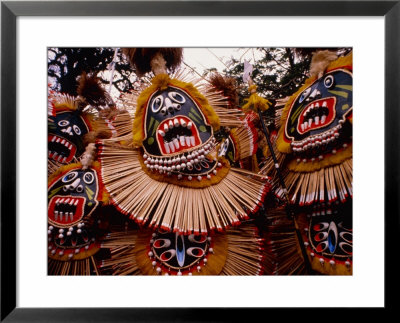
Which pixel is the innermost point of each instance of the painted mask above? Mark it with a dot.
(330, 235)
(179, 253)
(316, 118)
(174, 123)
(65, 136)
(177, 135)
(72, 197)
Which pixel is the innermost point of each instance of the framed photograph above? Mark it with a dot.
(35, 287)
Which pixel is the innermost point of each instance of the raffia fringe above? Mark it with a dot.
(172, 207)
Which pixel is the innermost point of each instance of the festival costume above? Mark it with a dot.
(171, 177)
(313, 153)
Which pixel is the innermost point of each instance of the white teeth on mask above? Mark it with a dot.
(59, 158)
(182, 140)
(166, 146)
(61, 215)
(189, 125)
(305, 125)
(324, 104)
(72, 201)
(166, 128)
(176, 143)
(56, 215)
(58, 140)
(63, 141)
(71, 216)
(53, 139)
(310, 122)
(176, 123)
(183, 123)
(317, 105)
(302, 127)
(162, 133)
(64, 159)
(67, 200)
(323, 118)
(171, 146)
(76, 203)
(192, 140)
(170, 124)
(316, 120)
(187, 139)
(54, 155)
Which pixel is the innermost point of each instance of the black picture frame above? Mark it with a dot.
(10, 10)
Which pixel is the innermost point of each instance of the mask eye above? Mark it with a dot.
(167, 255)
(304, 95)
(195, 252)
(88, 178)
(329, 81)
(176, 97)
(197, 239)
(69, 177)
(157, 103)
(63, 123)
(161, 243)
(77, 130)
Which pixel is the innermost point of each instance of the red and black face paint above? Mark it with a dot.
(72, 197)
(330, 232)
(65, 136)
(179, 253)
(174, 123)
(316, 119)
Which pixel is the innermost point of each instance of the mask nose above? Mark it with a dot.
(170, 107)
(315, 95)
(67, 130)
(72, 186)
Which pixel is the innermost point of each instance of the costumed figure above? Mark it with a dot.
(75, 194)
(172, 179)
(73, 122)
(311, 161)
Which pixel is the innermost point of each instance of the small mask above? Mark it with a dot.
(179, 252)
(65, 136)
(72, 197)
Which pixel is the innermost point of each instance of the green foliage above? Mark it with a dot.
(277, 74)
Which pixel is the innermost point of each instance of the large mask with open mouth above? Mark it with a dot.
(65, 136)
(174, 124)
(316, 119)
(73, 195)
(314, 145)
(178, 134)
